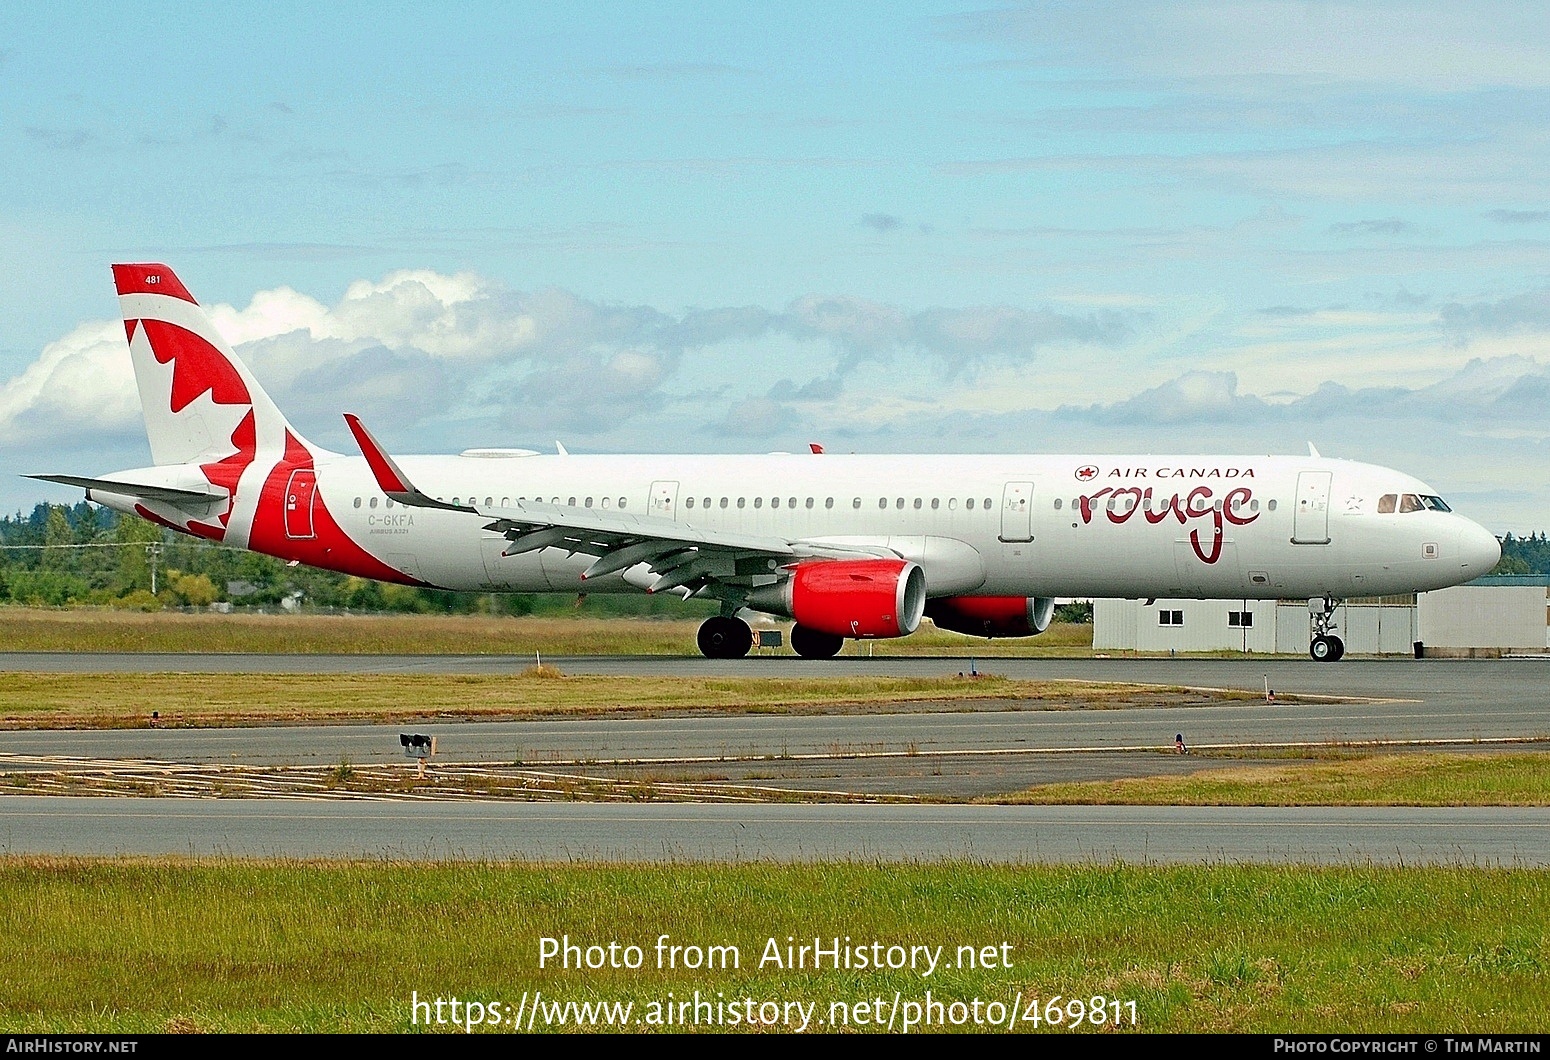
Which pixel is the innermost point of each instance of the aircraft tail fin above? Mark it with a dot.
(201, 402)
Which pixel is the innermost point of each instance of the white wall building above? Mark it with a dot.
(1490, 616)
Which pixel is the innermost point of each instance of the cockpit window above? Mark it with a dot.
(1411, 502)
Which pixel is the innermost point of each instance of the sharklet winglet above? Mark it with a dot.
(390, 477)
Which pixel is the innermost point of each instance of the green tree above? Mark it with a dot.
(134, 568)
(57, 537)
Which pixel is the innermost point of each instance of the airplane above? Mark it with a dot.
(850, 547)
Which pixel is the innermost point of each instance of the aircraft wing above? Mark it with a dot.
(679, 555)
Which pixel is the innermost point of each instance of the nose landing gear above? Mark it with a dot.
(1326, 646)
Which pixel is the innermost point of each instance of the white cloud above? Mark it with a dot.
(79, 383)
(547, 358)
(450, 361)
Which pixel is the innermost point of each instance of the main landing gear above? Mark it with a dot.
(725, 637)
(815, 644)
(728, 637)
(1326, 647)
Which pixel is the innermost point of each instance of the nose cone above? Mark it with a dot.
(1479, 550)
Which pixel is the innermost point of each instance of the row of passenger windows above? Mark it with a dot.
(1129, 503)
(828, 502)
(1120, 504)
(489, 502)
(726, 502)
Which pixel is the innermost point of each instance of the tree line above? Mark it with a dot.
(62, 556)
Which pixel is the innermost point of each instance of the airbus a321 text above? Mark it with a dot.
(847, 546)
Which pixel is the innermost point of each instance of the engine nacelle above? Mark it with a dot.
(992, 616)
(866, 598)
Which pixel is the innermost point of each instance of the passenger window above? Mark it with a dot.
(723, 502)
(609, 500)
(390, 502)
(791, 502)
(705, 503)
(828, 502)
(1270, 506)
(621, 502)
(758, 502)
(882, 502)
(689, 502)
(741, 502)
(936, 502)
(372, 503)
(987, 504)
(1386, 503)
(809, 502)
(900, 504)
(856, 503)
(952, 504)
(969, 504)
(454, 500)
(357, 502)
(505, 502)
(1057, 504)
(917, 504)
(572, 502)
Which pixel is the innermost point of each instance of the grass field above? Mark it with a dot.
(83, 630)
(125, 947)
(47, 700)
(1421, 779)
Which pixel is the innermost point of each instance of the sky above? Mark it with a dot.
(1088, 228)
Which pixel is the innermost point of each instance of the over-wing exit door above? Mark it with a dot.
(664, 500)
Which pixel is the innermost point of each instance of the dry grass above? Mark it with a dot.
(49, 700)
(1420, 779)
(88, 630)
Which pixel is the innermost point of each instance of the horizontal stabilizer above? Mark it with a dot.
(166, 494)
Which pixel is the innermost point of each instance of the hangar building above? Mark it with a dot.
(1488, 617)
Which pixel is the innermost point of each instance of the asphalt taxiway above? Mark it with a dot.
(584, 832)
(988, 748)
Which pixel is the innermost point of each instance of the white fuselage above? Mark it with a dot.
(1037, 526)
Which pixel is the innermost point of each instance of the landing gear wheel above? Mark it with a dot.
(724, 638)
(1326, 648)
(815, 644)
